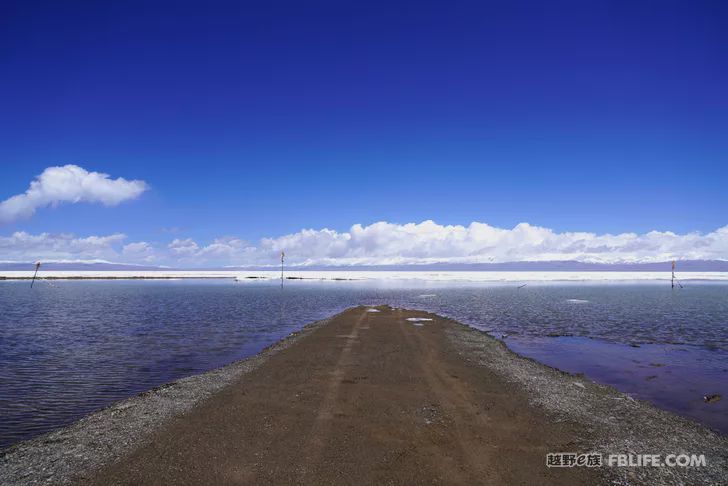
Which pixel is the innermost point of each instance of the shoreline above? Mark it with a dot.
(608, 421)
(484, 276)
(77, 450)
(616, 422)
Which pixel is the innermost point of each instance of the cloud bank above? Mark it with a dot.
(22, 246)
(69, 184)
(381, 243)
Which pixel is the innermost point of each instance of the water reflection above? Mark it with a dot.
(75, 346)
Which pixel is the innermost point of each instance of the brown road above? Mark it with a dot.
(368, 398)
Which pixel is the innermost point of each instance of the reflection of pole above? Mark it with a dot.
(672, 280)
(283, 255)
(37, 266)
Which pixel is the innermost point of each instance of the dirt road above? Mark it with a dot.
(368, 398)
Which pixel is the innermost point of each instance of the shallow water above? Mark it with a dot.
(70, 347)
(673, 377)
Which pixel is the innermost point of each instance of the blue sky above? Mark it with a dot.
(251, 120)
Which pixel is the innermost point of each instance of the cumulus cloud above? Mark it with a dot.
(22, 246)
(384, 243)
(182, 248)
(429, 242)
(221, 251)
(227, 248)
(140, 251)
(69, 184)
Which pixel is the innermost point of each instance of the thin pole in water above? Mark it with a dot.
(283, 256)
(673, 279)
(37, 266)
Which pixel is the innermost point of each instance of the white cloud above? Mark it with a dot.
(22, 246)
(182, 248)
(383, 243)
(139, 251)
(227, 247)
(69, 184)
(429, 242)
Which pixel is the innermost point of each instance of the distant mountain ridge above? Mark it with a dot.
(549, 266)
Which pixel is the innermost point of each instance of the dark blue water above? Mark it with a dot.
(71, 347)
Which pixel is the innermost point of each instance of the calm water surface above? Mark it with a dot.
(71, 347)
